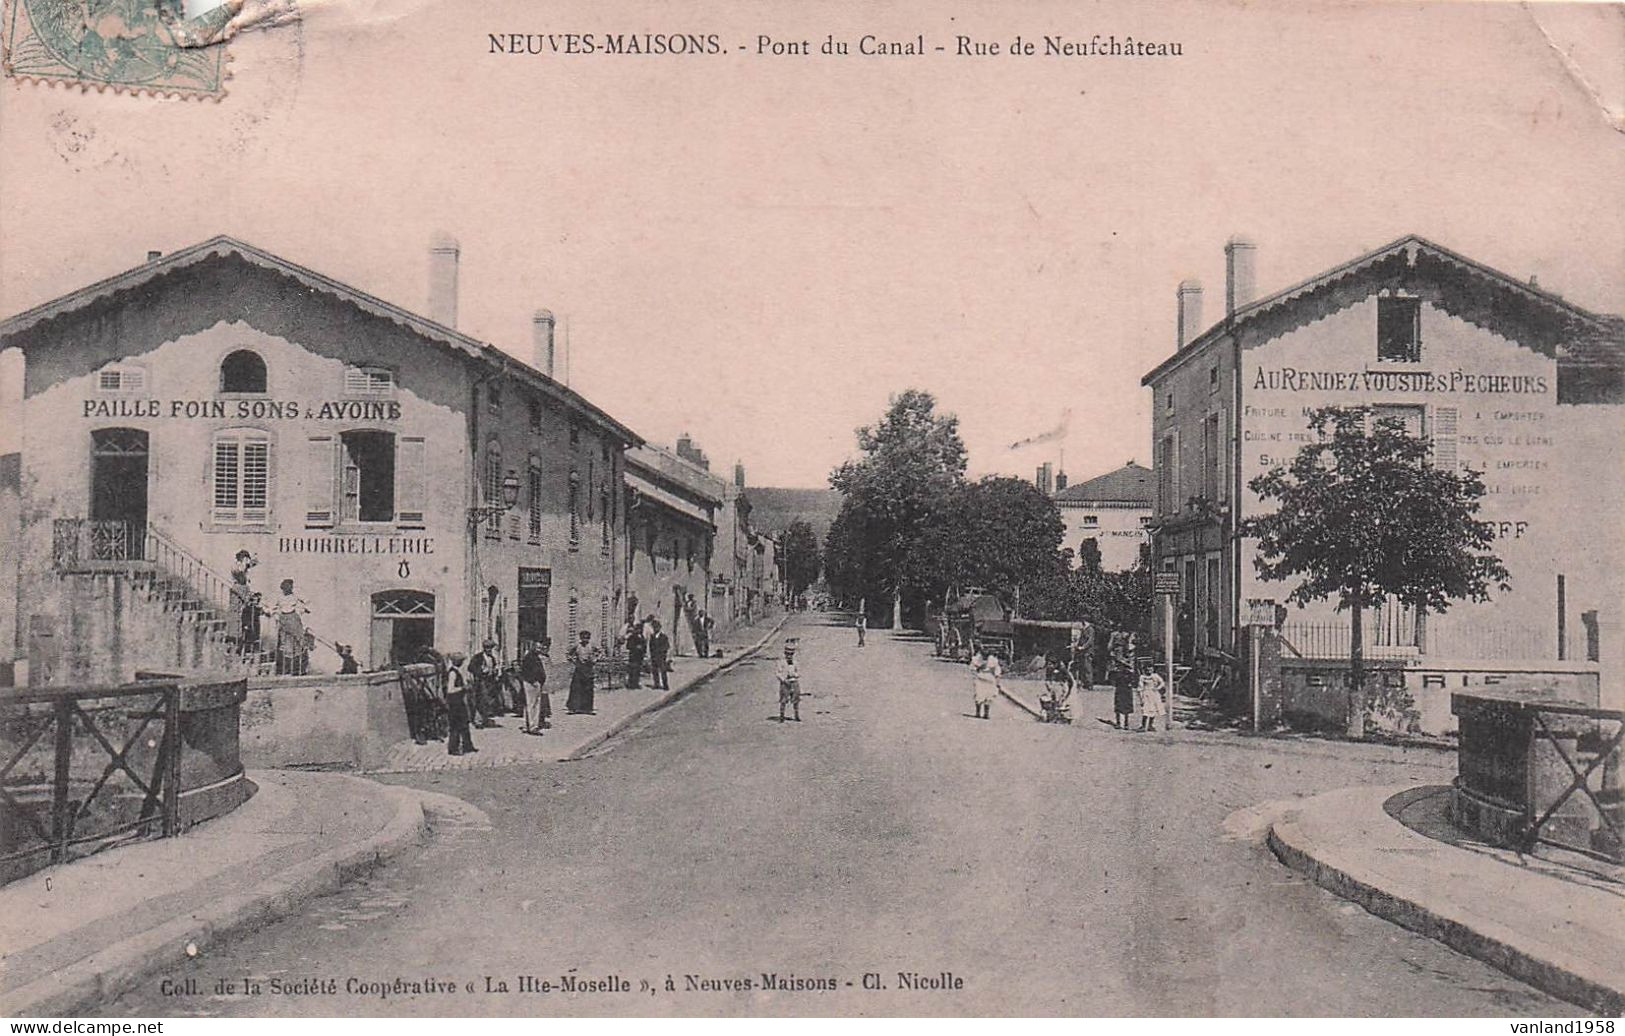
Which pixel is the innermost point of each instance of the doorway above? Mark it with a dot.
(118, 493)
(402, 626)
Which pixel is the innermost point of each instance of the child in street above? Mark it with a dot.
(985, 673)
(789, 678)
(1150, 694)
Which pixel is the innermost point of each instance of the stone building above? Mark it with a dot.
(1503, 376)
(672, 505)
(1112, 510)
(420, 487)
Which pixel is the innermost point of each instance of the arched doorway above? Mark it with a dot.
(118, 492)
(402, 626)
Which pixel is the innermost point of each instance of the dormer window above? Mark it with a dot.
(121, 378)
(1399, 329)
(369, 381)
(243, 371)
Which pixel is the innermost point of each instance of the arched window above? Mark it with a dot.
(242, 371)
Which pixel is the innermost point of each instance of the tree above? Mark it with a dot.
(911, 459)
(1000, 534)
(1089, 555)
(1363, 515)
(800, 547)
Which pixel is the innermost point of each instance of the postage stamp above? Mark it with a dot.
(138, 46)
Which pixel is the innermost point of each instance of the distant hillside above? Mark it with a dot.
(773, 509)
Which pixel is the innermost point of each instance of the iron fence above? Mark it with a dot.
(1585, 809)
(85, 769)
(1447, 640)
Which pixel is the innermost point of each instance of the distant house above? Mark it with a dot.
(1112, 510)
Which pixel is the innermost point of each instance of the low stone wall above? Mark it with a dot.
(347, 721)
(1413, 696)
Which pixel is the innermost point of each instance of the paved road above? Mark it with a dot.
(1050, 870)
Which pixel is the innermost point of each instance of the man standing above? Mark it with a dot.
(583, 658)
(789, 678)
(863, 627)
(635, 645)
(703, 637)
(659, 655)
(533, 677)
(486, 671)
(459, 739)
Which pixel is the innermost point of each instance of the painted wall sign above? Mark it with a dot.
(245, 409)
(340, 543)
(1294, 379)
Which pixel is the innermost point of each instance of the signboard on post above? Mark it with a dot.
(1165, 583)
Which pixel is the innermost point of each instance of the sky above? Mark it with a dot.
(761, 250)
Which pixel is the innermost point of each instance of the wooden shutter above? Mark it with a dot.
(256, 481)
(227, 479)
(320, 464)
(1222, 460)
(349, 485)
(1442, 430)
(410, 487)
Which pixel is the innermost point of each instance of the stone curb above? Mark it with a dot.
(115, 969)
(1287, 840)
(670, 696)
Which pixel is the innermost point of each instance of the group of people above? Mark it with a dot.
(475, 691)
(293, 641)
(1136, 685)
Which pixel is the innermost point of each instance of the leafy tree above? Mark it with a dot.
(1363, 515)
(911, 459)
(800, 545)
(1089, 555)
(1001, 534)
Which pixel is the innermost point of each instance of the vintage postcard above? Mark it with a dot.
(835, 509)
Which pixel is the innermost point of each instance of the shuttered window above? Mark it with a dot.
(242, 478)
(1442, 430)
(368, 381)
(410, 483)
(321, 465)
(534, 500)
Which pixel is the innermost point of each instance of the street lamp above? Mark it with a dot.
(510, 497)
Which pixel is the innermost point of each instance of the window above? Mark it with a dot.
(368, 381)
(1168, 402)
(534, 499)
(575, 434)
(367, 464)
(1210, 457)
(1399, 329)
(603, 513)
(1090, 521)
(242, 371)
(493, 397)
(242, 477)
(121, 378)
(535, 410)
(1168, 476)
(575, 508)
(1213, 378)
(591, 482)
(493, 487)
(1407, 416)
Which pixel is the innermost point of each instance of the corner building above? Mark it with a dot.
(419, 487)
(1503, 376)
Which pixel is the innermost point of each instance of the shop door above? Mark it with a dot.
(535, 585)
(402, 626)
(118, 493)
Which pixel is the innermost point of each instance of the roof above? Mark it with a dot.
(650, 491)
(1600, 336)
(665, 468)
(1128, 484)
(223, 246)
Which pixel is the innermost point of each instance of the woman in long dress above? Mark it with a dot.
(1120, 673)
(292, 650)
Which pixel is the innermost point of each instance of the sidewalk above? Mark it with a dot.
(574, 736)
(1562, 931)
(82, 933)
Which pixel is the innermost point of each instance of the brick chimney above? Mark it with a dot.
(1043, 478)
(1060, 481)
(1239, 254)
(1190, 311)
(443, 253)
(541, 341)
(739, 474)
